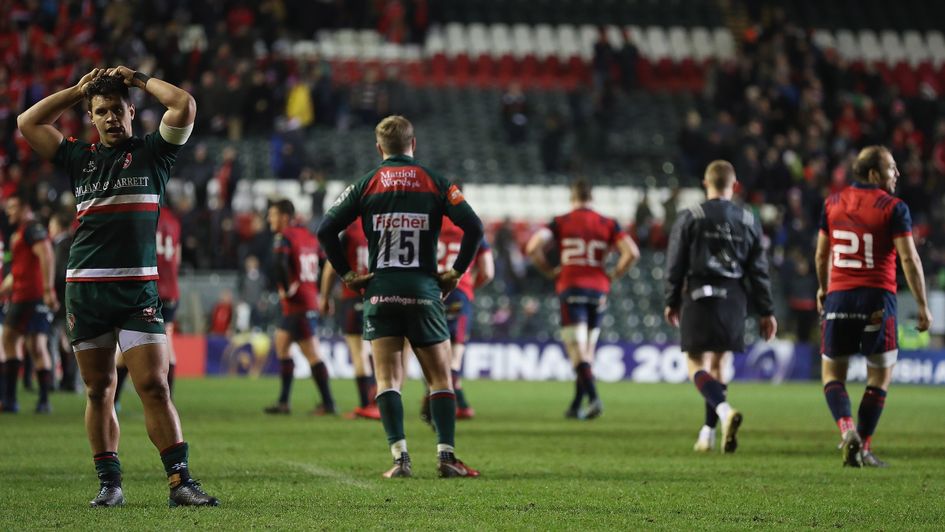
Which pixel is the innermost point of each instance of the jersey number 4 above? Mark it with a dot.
(580, 252)
(848, 243)
(399, 249)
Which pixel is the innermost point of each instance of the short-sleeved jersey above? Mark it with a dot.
(118, 194)
(451, 237)
(301, 248)
(402, 204)
(356, 250)
(584, 238)
(861, 222)
(27, 274)
(168, 255)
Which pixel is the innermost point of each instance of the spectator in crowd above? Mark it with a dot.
(515, 114)
(221, 317)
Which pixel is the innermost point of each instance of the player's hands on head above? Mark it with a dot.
(448, 281)
(84, 80)
(924, 319)
(126, 74)
(672, 316)
(768, 327)
(357, 282)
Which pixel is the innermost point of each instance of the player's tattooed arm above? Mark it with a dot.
(36, 123)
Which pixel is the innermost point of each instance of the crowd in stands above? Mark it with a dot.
(789, 115)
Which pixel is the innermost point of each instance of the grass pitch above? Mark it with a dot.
(632, 468)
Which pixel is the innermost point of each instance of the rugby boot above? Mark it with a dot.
(278, 408)
(571, 413)
(730, 430)
(322, 410)
(871, 460)
(593, 411)
(706, 441)
(401, 468)
(465, 413)
(109, 495)
(43, 408)
(189, 493)
(11, 407)
(450, 467)
(851, 448)
(368, 412)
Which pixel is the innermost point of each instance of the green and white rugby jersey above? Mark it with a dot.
(119, 191)
(401, 204)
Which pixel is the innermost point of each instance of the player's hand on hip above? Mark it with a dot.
(768, 327)
(924, 319)
(672, 316)
(448, 281)
(357, 282)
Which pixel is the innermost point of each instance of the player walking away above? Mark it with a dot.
(295, 266)
(32, 303)
(402, 204)
(111, 293)
(459, 306)
(583, 238)
(168, 266)
(862, 229)
(350, 313)
(712, 248)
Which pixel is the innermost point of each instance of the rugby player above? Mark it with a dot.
(401, 204)
(862, 229)
(350, 313)
(583, 238)
(295, 271)
(459, 305)
(712, 248)
(168, 267)
(32, 302)
(111, 289)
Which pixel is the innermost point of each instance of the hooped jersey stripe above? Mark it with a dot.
(119, 203)
(98, 275)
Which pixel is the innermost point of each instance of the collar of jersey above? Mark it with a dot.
(398, 159)
(101, 147)
(858, 184)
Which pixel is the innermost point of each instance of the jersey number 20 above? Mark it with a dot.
(848, 243)
(580, 252)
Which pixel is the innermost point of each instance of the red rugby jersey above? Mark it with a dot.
(24, 265)
(447, 248)
(356, 250)
(861, 222)
(168, 255)
(303, 252)
(584, 238)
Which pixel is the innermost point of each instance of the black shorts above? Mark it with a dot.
(713, 319)
(169, 310)
(301, 325)
(350, 315)
(29, 317)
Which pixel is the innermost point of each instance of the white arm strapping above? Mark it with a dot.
(175, 135)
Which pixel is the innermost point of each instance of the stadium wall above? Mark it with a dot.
(252, 355)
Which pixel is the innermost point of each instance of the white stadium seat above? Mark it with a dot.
(523, 40)
(680, 44)
(724, 43)
(501, 38)
(658, 43)
(703, 48)
(848, 46)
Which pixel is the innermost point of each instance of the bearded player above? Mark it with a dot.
(111, 290)
(862, 229)
(350, 314)
(295, 271)
(583, 238)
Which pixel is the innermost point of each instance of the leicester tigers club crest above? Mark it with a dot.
(70, 320)
(127, 161)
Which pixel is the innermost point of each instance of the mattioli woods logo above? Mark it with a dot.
(401, 220)
(400, 178)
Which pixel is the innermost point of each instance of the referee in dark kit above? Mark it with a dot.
(714, 248)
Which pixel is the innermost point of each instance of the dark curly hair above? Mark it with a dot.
(106, 86)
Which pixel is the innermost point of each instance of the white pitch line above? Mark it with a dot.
(330, 474)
